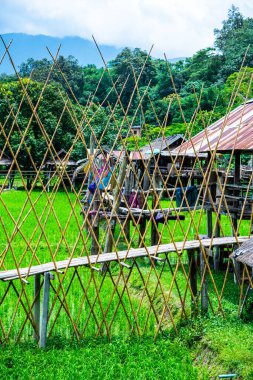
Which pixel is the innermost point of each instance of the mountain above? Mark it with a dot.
(26, 46)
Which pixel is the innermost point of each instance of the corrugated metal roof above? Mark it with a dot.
(161, 143)
(233, 131)
(135, 155)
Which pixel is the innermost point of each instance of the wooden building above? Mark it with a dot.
(228, 143)
(229, 140)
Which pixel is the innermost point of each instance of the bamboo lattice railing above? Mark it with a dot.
(117, 270)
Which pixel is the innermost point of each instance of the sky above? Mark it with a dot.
(177, 28)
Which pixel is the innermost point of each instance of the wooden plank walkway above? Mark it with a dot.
(155, 250)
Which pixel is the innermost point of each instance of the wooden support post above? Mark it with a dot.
(237, 275)
(127, 192)
(115, 209)
(142, 222)
(36, 307)
(94, 221)
(237, 177)
(204, 291)
(142, 231)
(211, 197)
(216, 258)
(44, 320)
(146, 180)
(154, 225)
(193, 280)
(209, 223)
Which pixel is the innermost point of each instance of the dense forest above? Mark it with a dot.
(195, 91)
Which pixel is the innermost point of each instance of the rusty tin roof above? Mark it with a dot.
(162, 144)
(234, 131)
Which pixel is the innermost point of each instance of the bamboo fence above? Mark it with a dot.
(110, 268)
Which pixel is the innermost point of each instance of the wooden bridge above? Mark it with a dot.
(203, 246)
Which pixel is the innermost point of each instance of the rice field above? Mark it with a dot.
(44, 227)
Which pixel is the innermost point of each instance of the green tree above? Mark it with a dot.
(129, 65)
(235, 42)
(204, 66)
(239, 86)
(96, 85)
(69, 67)
(49, 124)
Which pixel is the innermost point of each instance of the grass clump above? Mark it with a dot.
(220, 345)
(127, 359)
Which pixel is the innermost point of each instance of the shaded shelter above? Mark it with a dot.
(230, 136)
(227, 142)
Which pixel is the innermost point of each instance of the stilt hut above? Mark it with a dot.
(229, 144)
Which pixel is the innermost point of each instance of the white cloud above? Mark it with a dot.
(176, 27)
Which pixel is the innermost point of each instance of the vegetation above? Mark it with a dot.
(213, 344)
(204, 348)
(203, 82)
(141, 359)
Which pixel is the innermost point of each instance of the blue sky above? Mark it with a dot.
(175, 27)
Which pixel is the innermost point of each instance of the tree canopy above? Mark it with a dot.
(163, 96)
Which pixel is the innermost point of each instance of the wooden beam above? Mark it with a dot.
(193, 280)
(115, 209)
(204, 291)
(216, 258)
(45, 307)
(36, 307)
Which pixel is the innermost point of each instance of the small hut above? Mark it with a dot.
(5, 163)
(162, 148)
(61, 165)
(157, 157)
